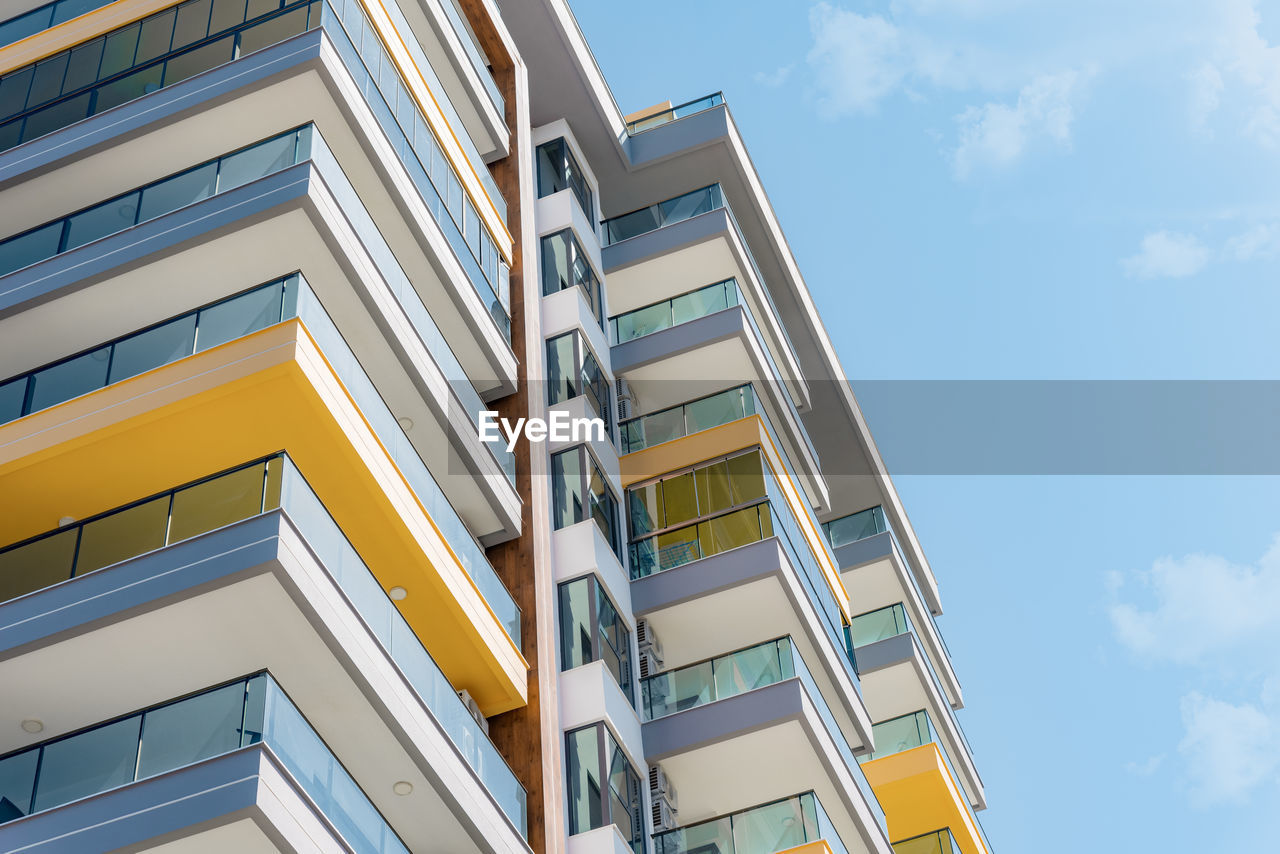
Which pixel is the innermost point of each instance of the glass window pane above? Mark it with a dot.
(56, 116)
(201, 59)
(713, 488)
(192, 24)
(778, 826)
(157, 32)
(729, 531)
(676, 548)
(214, 503)
(47, 82)
(37, 565)
(645, 509)
(101, 220)
(261, 7)
(746, 477)
(644, 321)
(714, 411)
(88, 763)
(127, 88)
(13, 395)
(271, 495)
(123, 535)
(568, 502)
(82, 69)
(238, 317)
(10, 134)
(680, 501)
(190, 730)
(700, 303)
(576, 639)
(68, 9)
(273, 31)
(562, 370)
(226, 13)
(30, 248)
(253, 163)
(583, 767)
(117, 55)
(17, 782)
(153, 348)
(69, 379)
(747, 670)
(13, 92)
(178, 191)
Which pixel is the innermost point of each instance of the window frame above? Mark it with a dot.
(604, 765)
(581, 388)
(584, 474)
(596, 592)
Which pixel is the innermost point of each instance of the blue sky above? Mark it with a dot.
(1009, 189)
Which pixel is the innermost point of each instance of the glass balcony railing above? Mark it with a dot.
(938, 842)
(234, 496)
(667, 425)
(216, 176)
(458, 20)
(741, 672)
(768, 828)
(674, 311)
(677, 112)
(234, 318)
(670, 212)
(908, 732)
(43, 17)
(878, 625)
(855, 526)
(185, 732)
(178, 43)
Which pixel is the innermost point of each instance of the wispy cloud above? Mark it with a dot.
(1206, 95)
(857, 59)
(996, 134)
(1221, 620)
(1260, 241)
(1167, 255)
(1243, 60)
(773, 79)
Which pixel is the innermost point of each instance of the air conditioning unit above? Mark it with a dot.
(474, 708)
(661, 787)
(646, 639)
(649, 664)
(625, 409)
(665, 816)
(626, 398)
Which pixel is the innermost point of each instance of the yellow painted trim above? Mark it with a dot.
(919, 796)
(819, 847)
(124, 12)
(751, 431)
(265, 392)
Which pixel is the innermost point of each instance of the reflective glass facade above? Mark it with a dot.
(580, 491)
(592, 630)
(602, 787)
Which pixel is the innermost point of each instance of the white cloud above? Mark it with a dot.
(857, 59)
(773, 79)
(1146, 768)
(1167, 255)
(1260, 241)
(1245, 61)
(1230, 749)
(1201, 605)
(996, 134)
(1206, 94)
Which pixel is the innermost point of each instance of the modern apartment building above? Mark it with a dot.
(265, 265)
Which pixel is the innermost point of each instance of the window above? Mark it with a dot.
(564, 265)
(591, 630)
(558, 169)
(572, 370)
(579, 491)
(602, 787)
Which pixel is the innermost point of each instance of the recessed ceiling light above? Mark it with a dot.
(32, 726)
(404, 787)
(397, 593)
(406, 422)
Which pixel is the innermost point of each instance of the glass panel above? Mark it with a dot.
(30, 248)
(714, 411)
(273, 31)
(13, 92)
(746, 477)
(203, 58)
(747, 670)
(17, 782)
(178, 191)
(190, 730)
(576, 637)
(730, 531)
(157, 32)
(123, 535)
(102, 220)
(770, 828)
(88, 763)
(713, 488)
(82, 70)
(153, 348)
(679, 498)
(646, 508)
(56, 116)
(676, 548)
(700, 303)
(119, 50)
(568, 502)
(192, 24)
(238, 317)
(226, 13)
(253, 163)
(214, 503)
(711, 837)
(69, 379)
(643, 322)
(127, 88)
(562, 369)
(583, 770)
(877, 625)
(47, 82)
(12, 395)
(37, 565)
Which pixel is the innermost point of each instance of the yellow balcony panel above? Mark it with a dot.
(819, 847)
(268, 391)
(919, 796)
(725, 439)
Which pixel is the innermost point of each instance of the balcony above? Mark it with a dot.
(670, 114)
(790, 823)
(715, 410)
(877, 576)
(187, 732)
(91, 88)
(938, 842)
(917, 784)
(43, 17)
(128, 550)
(708, 720)
(670, 251)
